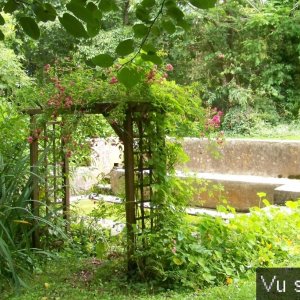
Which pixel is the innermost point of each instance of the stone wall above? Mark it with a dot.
(105, 153)
(244, 156)
(241, 167)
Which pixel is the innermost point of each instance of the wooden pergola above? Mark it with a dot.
(139, 170)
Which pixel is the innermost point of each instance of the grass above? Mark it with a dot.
(93, 279)
(267, 132)
(80, 279)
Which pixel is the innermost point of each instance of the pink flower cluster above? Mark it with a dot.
(215, 121)
(212, 124)
(60, 100)
(36, 134)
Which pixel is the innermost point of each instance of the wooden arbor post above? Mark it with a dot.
(34, 156)
(129, 189)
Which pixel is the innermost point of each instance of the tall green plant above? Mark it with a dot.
(17, 222)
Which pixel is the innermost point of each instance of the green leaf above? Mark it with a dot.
(80, 11)
(108, 5)
(30, 27)
(1, 36)
(140, 30)
(2, 21)
(168, 26)
(103, 60)
(125, 47)
(148, 3)
(45, 12)
(177, 261)
(73, 26)
(170, 3)
(156, 30)
(204, 4)
(149, 48)
(152, 57)
(142, 14)
(184, 24)
(208, 277)
(129, 77)
(175, 13)
(96, 13)
(10, 6)
(93, 28)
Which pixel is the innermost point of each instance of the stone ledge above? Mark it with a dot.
(287, 192)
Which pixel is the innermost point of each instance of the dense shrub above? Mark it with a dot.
(215, 251)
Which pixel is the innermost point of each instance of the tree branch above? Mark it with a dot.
(146, 36)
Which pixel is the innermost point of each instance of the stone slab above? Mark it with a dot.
(287, 192)
(211, 189)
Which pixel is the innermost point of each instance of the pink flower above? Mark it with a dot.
(47, 68)
(174, 250)
(216, 119)
(151, 75)
(169, 67)
(113, 80)
(68, 102)
(30, 139)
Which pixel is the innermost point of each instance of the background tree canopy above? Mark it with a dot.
(243, 54)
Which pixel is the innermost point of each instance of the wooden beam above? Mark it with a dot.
(66, 185)
(35, 184)
(95, 108)
(129, 190)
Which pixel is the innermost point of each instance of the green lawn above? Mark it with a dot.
(74, 279)
(80, 279)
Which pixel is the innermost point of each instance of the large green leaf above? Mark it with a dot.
(129, 77)
(175, 13)
(140, 30)
(168, 26)
(96, 13)
(10, 6)
(142, 14)
(149, 48)
(2, 21)
(80, 11)
(73, 26)
(152, 57)
(184, 24)
(93, 28)
(30, 27)
(103, 60)
(204, 4)
(148, 3)
(125, 47)
(108, 5)
(150, 54)
(45, 12)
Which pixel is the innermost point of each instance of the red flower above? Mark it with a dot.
(113, 80)
(169, 67)
(30, 139)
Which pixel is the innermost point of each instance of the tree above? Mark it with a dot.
(82, 19)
